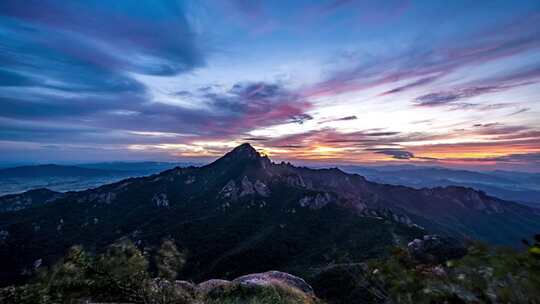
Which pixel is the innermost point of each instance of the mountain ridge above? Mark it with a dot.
(54, 170)
(244, 214)
(518, 187)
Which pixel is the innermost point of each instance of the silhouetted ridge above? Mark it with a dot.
(244, 151)
(242, 155)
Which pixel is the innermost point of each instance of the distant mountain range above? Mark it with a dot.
(148, 167)
(40, 171)
(519, 187)
(515, 186)
(88, 170)
(243, 214)
(74, 177)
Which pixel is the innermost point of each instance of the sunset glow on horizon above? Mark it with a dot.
(445, 83)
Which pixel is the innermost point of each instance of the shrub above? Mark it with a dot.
(493, 275)
(169, 260)
(119, 275)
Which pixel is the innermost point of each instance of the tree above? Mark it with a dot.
(122, 272)
(169, 261)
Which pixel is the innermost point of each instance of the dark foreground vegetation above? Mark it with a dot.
(425, 272)
(483, 275)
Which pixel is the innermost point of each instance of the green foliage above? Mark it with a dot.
(161, 291)
(169, 260)
(121, 272)
(484, 275)
(120, 275)
(65, 280)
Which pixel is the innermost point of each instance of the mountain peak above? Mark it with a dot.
(243, 151)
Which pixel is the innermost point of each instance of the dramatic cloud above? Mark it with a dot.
(414, 84)
(345, 118)
(397, 154)
(74, 63)
(129, 35)
(491, 85)
(335, 81)
(443, 98)
(248, 106)
(430, 64)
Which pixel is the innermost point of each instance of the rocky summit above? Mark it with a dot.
(245, 214)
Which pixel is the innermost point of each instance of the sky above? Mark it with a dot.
(449, 83)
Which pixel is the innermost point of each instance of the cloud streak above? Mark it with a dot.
(302, 80)
(430, 64)
(149, 39)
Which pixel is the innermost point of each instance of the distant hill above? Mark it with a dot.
(76, 177)
(149, 167)
(515, 186)
(28, 199)
(37, 171)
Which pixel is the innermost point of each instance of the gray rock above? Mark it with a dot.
(185, 285)
(101, 198)
(229, 191)
(210, 285)
(296, 181)
(107, 197)
(247, 187)
(261, 188)
(37, 263)
(267, 278)
(160, 200)
(315, 202)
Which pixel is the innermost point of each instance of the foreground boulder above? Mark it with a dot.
(436, 249)
(212, 285)
(270, 277)
(272, 287)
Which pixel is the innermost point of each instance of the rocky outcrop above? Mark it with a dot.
(261, 188)
(390, 215)
(229, 191)
(98, 197)
(160, 200)
(270, 277)
(32, 198)
(436, 249)
(315, 201)
(247, 187)
(257, 280)
(295, 181)
(232, 192)
(206, 287)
